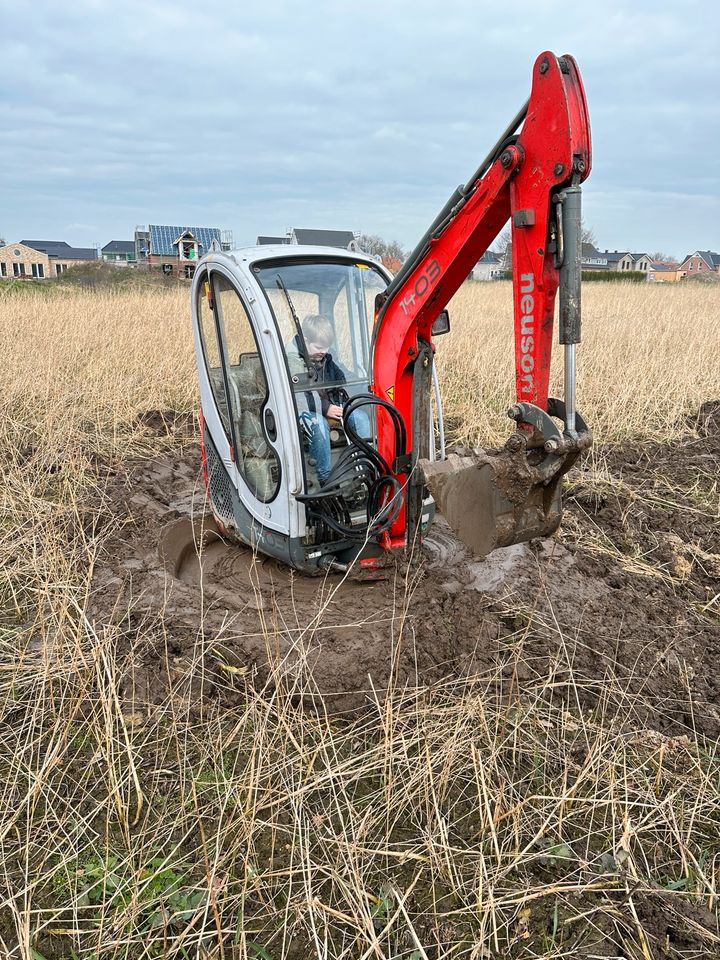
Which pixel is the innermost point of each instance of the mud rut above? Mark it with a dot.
(620, 608)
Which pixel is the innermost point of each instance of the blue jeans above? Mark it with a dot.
(317, 432)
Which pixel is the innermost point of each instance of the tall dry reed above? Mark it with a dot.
(454, 823)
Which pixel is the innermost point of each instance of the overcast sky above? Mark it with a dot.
(355, 115)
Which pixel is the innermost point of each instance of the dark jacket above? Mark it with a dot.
(324, 371)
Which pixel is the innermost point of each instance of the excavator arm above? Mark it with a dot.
(532, 178)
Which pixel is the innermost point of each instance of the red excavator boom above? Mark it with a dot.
(532, 178)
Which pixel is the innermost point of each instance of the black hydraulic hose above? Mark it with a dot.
(384, 493)
(370, 399)
(361, 463)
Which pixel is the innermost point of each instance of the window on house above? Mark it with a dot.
(18, 269)
(3, 269)
(60, 268)
(38, 270)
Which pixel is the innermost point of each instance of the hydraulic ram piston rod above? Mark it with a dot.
(570, 306)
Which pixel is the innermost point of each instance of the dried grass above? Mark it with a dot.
(647, 359)
(473, 820)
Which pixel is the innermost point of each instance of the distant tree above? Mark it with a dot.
(503, 244)
(503, 248)
(504, 241)
(659, 255)
(587, 234)
(377, 247)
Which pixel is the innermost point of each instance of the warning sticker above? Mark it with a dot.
(391, 393)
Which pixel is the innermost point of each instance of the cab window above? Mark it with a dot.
(211, 352)
(247, 391)
(336, 298)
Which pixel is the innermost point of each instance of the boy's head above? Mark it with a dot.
(319, 335)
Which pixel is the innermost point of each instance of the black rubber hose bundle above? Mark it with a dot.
(361, 464)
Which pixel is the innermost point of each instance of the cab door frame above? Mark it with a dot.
(276, 514)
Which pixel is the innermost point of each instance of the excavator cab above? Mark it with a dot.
(282, 340)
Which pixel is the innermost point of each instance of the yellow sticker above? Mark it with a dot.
(391, 392)
(363, 266)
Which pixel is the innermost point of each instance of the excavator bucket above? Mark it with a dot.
(489, 502)
(495, 499)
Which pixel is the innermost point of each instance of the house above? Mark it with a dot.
(176, 250)
(642, 261)
(592, 259)
(62, 253)
(120, 252)
(488, 267)
(622, 260)
(393, 264)
(702, 261)
(268, 241)
(41, 259)
(323, 238)
(665, 271)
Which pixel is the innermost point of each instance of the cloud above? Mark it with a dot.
(352, 116)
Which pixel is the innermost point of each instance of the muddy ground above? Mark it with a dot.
(621, 607)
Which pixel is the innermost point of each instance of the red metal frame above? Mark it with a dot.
(552, 149)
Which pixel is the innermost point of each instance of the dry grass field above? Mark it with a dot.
(555, 798)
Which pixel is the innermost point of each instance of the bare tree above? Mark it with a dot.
(377, 247)
(587, 234)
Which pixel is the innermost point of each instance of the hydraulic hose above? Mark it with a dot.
(361, 464)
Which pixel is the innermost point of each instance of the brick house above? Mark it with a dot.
(41, 259)
(665, 271)
(702, 261)
(393, 264)
(176, 250)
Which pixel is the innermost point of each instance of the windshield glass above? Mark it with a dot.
(325, 312)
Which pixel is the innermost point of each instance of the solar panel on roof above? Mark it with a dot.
(162, 238)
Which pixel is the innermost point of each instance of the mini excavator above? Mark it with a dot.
(385, 449)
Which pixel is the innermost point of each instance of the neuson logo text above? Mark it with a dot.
(527, 332)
